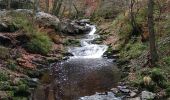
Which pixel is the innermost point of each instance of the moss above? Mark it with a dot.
(166, 60)
(10, 93)
(132, 50)
(3, 75)
(70, 42)
(141, 16)
(40, 43)
(23, 22)
(20, 98)
(168, 25)
(22, 90)
(11, 64)
(4, 52)
(167, 90)
(5, 85)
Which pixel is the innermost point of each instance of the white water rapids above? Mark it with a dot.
(87, 49)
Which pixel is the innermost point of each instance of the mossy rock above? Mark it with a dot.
(72, 42)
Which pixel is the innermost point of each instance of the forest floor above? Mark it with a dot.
(133, 56)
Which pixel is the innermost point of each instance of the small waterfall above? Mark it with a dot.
(87, 72)
(87, 49)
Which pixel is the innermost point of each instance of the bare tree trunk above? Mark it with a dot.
(9, 4)
(56, 7)
(153, 51)
(136, 29)
(47, 5)
(70, 6)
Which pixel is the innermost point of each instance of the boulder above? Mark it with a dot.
(47, 19)
(24, 11)
(147, 95)
(74, 27)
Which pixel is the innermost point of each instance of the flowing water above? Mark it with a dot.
(85, 73)
(87, 49)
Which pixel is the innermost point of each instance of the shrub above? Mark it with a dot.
(3, 75)
(5, 85)
(19, 98)
(167, 60)
(133, 50)
(168, 90)
(158, 77)
(12, 65)
(23, 90)
(142, 16)
(40, 43)
(23, 22)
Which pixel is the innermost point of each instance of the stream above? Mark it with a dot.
(86, 75)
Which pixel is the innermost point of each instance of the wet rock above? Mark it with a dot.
(147, 95)
(4, 40)
(133, 94)
(84, 21)
(32, 82)
(52, 59)
(97, 96)
(73, 27)
(47, 19)
(67, 54)
(136, 98)
(161, 94)
(124, 90)
(115, 90)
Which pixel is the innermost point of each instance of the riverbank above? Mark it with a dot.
(133, 53)
(28, 47)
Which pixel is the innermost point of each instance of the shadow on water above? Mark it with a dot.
(76, 78)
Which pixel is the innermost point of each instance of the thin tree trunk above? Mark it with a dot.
(153, 51)
(70, 6)
(9, 4)
(47, 5)
(57, 6)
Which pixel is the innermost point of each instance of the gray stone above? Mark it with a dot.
(132, 94)
(97, 96)
(73, 27)
(47, 19)
(147, 95)
(136, 98)
(115, 90)
(123, 89)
